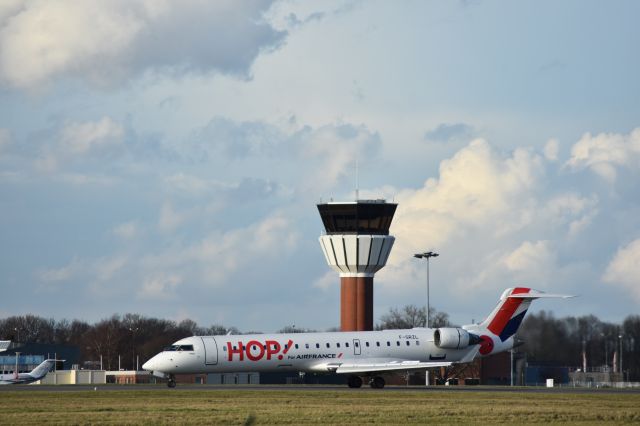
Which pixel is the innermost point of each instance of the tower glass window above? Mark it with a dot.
(369, 217)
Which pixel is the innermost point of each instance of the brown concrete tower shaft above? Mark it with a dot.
(356, 303)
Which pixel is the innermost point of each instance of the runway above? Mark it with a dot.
(313, 388)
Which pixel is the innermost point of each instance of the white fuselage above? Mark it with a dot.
(319, 352)
(13, 379)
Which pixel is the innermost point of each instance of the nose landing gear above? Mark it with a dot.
(172, 381)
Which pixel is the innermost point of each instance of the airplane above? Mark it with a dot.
(358, 354)
(36, 374)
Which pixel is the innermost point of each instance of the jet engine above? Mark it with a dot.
(454, 338)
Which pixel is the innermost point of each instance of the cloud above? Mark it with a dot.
(293, 21)
(476, 187)
(108, 41)
(605, 152)
(327, 282)
(449, 132)
(5, 139)
(61, 274)
(159, 287)
(103, 269)
(126, 231)
(107, 268)
(624, 269)
(570, 208)
(102, 139)
(497, 218)
(203, 262)
(551, 150)
(532, 262)
(211, 260)
(237, 140)
(79, 139)
(170, 219)
(322, 155)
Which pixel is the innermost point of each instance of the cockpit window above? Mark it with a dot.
(179, 348)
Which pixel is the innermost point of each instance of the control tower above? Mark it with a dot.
(356, 245)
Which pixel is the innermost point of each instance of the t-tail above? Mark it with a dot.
(41, 370)
(501, 325)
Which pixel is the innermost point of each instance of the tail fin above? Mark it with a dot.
(42, 370)
(506, 318)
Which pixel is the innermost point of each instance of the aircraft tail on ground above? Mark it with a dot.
(41, 370)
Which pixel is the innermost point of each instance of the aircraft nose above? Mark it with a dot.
(150, 365)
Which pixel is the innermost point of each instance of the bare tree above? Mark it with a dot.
(294, 329)
(411, 316)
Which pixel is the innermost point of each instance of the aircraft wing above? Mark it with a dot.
(378, 365)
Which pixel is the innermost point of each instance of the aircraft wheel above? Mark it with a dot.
(172, 382)
(377, 382)
(354, 382)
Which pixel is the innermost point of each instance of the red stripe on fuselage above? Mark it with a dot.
(506, 311)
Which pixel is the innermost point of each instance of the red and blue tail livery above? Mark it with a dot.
(506, 318)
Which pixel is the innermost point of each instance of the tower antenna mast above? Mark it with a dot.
(357, 181)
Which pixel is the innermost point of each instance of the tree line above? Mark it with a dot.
(118, 340)
(559, 341)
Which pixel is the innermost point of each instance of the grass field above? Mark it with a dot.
(319, 407)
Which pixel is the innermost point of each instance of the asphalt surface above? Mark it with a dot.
(313, 388)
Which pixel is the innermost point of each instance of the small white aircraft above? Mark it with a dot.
(36, 374)
(356, 354)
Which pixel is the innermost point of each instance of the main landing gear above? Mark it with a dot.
(354, 382)
(172, 381)
(376, 382)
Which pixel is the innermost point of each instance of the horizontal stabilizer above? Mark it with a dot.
(539, 295)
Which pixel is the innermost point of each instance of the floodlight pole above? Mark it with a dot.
(427, 255)
(621, 370)
(511, 352)
(16, 372)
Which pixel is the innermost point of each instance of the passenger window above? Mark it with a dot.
(224, 348)
(286, 346)
(317, 345)
(357, 344)
(417, 342)
(306, 345)
(338, 345)
(346, 345)
(408, 343)
(328, 345)
(397, 343)
(378, 344)
(388, 343)
(366, 344)
(234, 348)
(296, 346)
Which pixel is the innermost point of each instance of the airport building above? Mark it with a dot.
(32, 354)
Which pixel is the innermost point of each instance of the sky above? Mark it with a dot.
(166, 157)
